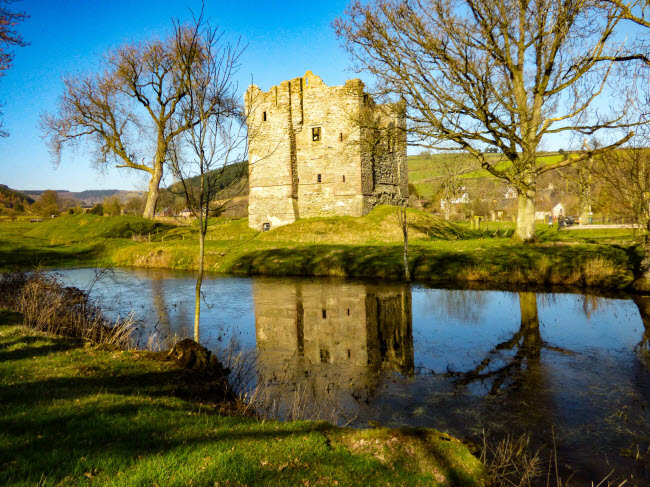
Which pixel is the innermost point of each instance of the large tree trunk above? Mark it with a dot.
(152, 196)
(525, 230)
(156, 176)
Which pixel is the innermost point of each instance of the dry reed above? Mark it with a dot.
(47, 305)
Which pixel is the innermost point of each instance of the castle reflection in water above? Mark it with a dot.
(332, 340)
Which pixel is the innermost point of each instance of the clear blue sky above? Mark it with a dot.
(284, 39)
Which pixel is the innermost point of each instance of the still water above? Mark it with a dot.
(568, 369)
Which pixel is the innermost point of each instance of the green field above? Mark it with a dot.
(369, 246)
(424, 171)
(72, 413)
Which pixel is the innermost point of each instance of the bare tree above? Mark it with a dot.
(635, 11)
(477, 74)
(9, 37)
(127, 111)
(450, 167)
(207, 159)
(626, 175)
(581, 178)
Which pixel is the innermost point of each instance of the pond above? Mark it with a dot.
(570, 370)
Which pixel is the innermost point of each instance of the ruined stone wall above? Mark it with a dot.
(335, 157)
(384, 156)
(308, 155)
(272, 172)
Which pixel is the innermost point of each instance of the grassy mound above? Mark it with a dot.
(378, 226)
(75, 228)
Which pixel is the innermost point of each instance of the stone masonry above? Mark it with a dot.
(316, 150)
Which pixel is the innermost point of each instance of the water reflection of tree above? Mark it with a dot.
(159, 305)
(162, 308)
(591, 303)
(464, 306)
(643, 303)
(526, 344)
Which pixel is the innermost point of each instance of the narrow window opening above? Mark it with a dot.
(324, 313)
(343, 178)
(341, 136)
(348, 311)
(349, 354)
(315, 134)
(319, 178)
(266, 227)
(264, 116)
(324, 356)
(306, 81)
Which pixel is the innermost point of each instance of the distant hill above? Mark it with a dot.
(95, 194)
(38, 192)
(9, 197)
(89, 196)
(231, 180)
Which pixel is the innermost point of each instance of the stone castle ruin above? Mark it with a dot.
(316, 150)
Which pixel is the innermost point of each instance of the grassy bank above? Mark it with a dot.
(357, 247)
(72, 413)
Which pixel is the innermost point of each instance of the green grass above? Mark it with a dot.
(423, 171)
(369, 246)
(74, 228)
(74, 414)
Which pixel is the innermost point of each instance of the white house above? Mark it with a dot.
(462, 199)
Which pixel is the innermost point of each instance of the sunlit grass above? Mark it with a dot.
(369, 246)
(73, 414)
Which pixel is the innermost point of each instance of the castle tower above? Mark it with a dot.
(316, 150)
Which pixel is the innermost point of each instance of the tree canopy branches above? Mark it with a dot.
(9, 37)
(500, 73)
(129, 111)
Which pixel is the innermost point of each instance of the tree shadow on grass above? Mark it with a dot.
(34, 351)
(22, 255)
(384, 261)
(542, 264)
(96, 437)
(94, 413)
(62, 428)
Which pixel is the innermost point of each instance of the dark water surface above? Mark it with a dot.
(572, 369)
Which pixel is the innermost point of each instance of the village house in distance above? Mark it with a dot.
(316, 150)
